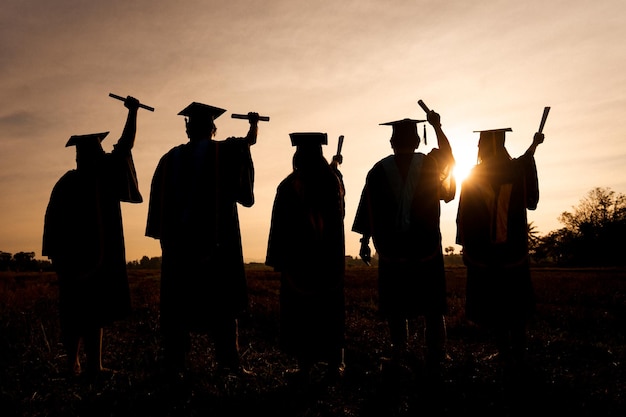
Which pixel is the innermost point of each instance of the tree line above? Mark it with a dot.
(23, 261)
(592, 235)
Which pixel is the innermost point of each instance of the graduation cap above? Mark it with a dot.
(495, 134)
(406, 127)
(93, 138)
(492, 139)
(308, 138)
(201, 111)
(404, 123)
(494, 131)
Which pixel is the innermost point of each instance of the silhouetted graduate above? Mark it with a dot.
(84, 239)
(492, 227)
(306, 244)
(400, 209)
(193, 212)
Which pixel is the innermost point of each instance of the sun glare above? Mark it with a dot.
(465, 161)
(465, 149)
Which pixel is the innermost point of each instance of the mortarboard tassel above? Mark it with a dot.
(425, 141)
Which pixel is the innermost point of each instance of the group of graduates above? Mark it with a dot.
(193, 212)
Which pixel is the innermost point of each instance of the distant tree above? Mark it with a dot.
(601, 207)
(593, 232)
(449, 250)
(555, 248)
(44, 265)
(534, 240)
(25, 261)
(5, 260)
(145, 263)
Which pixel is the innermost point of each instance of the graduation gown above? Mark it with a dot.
(83, 236)
(492, 227)
(193, 211)
(306, 244)
(402, 217)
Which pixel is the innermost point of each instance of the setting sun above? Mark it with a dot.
(465, 157)
(463, 168)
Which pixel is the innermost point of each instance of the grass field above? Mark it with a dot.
(577, 357)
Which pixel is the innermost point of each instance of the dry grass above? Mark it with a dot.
(577, 357)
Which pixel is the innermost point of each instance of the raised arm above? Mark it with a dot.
(127, 140)
(254, 128)
(442, 140)
(445, 158)
(537, 140)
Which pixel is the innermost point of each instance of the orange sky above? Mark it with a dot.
(328, 66)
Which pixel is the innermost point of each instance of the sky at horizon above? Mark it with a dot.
(336, 67)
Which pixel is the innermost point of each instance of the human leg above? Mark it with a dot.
(71, 342)
(435, 336)
(226, 339)
(93, 350)
(398, 333)
(176, 342)
(435, 339)
(518, 344)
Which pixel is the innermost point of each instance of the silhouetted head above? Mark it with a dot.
(491, 145)
(404, 137)
(88, 148)
(308, 149)
(200, 120)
